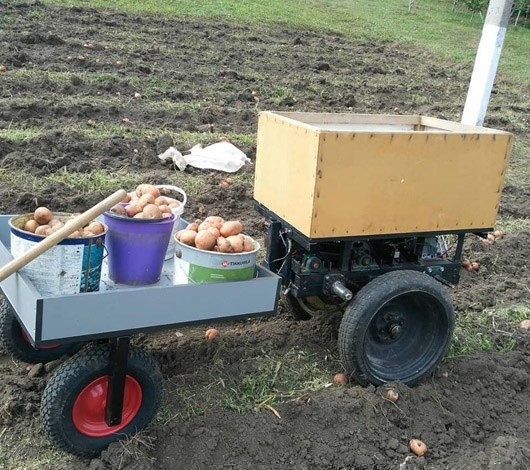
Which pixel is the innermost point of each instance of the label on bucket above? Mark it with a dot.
(57, 274)
(63, 269)
(192, 273)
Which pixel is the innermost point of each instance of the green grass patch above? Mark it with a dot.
(270, 380)
(489, 330)
(513, 225)
(17, 134)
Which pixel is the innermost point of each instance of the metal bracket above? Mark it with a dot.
(435, 272)
(119, 352)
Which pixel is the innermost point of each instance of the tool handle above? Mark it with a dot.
(56, 237)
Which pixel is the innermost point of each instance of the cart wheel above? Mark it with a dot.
(304, 308)
(16, 343)
(397, 328)
(73, 402)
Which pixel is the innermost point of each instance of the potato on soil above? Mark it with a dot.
(418, 447)
(211, 333)
(340, 379)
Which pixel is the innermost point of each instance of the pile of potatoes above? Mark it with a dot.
(216, 234)
(44, 223)
(146, 202)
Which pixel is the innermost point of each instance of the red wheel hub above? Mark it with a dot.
(88, 413)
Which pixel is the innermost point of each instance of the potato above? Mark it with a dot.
(161, 201)
(42, 215)
(164, 208)
(215, 231)
(95, 227)
(248, 244)
(193, 226)
(205, 240)
(31, 225)
(152, 211)
(231, 227)
(236, 243)
(188, 237)
(132, 209)
(146, 199)
(147, 189)
(214, 220)
(204, 226)
(119, 210)
(41, 229)
(127, 198)
(223, 245)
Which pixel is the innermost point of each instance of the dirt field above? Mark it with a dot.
(65, 113)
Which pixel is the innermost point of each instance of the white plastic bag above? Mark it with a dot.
(222, 156)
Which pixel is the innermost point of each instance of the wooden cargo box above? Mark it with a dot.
(348, 175)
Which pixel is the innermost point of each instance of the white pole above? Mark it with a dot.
(486, 61)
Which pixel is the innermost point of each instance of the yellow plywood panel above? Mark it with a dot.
(286, 170)
(396, 183)
(341, 175)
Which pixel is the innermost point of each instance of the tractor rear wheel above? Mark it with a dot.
(397, 328)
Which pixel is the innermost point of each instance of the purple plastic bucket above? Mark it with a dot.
(137, 248)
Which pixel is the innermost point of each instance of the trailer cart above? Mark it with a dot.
(111, 389)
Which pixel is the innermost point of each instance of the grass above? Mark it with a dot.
(489, 330)
(432, 24)
(271, 379)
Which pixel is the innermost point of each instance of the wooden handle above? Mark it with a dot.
(56, 237)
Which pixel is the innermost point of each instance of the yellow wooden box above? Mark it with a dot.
(345, 175)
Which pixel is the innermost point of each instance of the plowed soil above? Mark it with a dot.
(473, 412)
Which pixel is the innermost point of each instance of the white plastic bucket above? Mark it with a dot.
(177, 212)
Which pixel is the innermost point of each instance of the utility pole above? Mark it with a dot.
(486, 61)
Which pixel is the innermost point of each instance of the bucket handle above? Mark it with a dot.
(176, 189)
(52, 240)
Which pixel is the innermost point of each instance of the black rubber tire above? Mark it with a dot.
(304, 308)
(73, 376)
(14, 343)
(397, 328)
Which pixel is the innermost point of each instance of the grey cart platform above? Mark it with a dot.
(118, 310)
